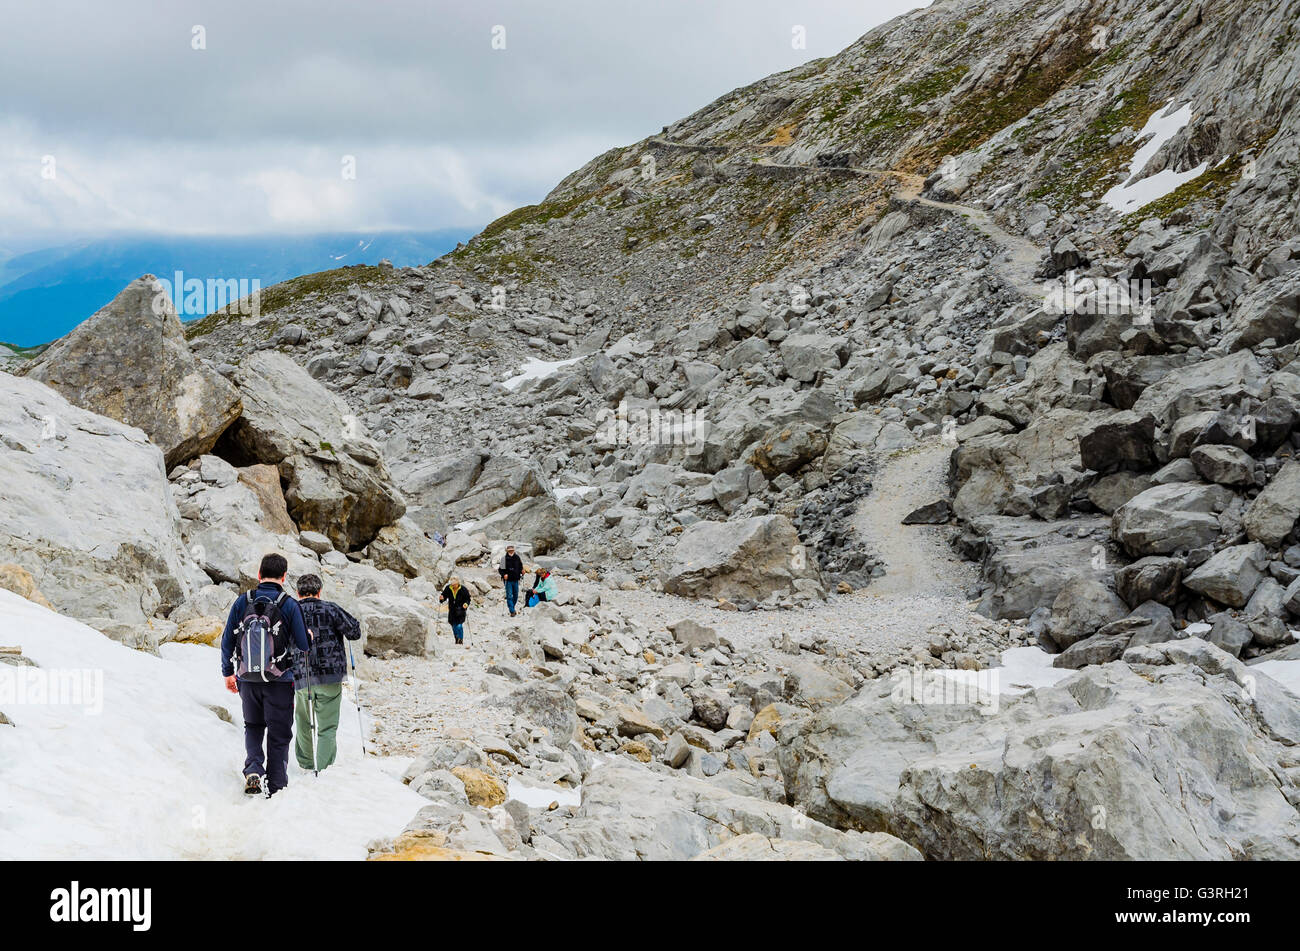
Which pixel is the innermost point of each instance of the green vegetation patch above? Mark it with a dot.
(278, 296)
(984, 112)
(1096, 162)
(25, 352)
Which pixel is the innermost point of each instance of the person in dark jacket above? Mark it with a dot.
(268, 704)
(511, 570)
(320, 673)
(456, 595)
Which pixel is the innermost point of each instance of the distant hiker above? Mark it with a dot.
(511, 570)
(457, 597)
(543, 586)
(264, 627)
(319, 692)
(437, 537)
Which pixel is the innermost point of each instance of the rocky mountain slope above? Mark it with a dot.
(1022, 277)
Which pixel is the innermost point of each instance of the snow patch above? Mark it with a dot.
(1023, 669)
(535, 369)
(1285, 672)
(569, 491)
(539, 797)
(1130, 195)
(1028, 668)
(156, 774)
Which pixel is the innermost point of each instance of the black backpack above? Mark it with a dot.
(262, 647)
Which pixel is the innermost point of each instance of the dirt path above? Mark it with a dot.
(1020, 256)
(918, 560)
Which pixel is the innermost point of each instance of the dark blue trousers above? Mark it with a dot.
(268, 714)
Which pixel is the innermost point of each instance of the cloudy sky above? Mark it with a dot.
(244, 116)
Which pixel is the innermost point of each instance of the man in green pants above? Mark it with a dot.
(327, 627)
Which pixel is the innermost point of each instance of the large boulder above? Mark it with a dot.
(1166, 518)
(1097, 767)
(751, 559)
(1230, 576)
(631, 813)
(993, 472)
(787, 449)
(1121, 441)
(391, 622)
(336, 483)
(1027, 562)
(468, 485)
(1226, 465)
(1272, 515)
(129, 361)
(404, 548)
(1080, 609)
(503, 480)
(1269, 312)
(546, 705)
(806, 355)
(1153, 578)
(858, 436)
(1182, 391)
(86, 508)
(534, 521)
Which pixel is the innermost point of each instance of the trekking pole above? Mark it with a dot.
(356, 698)
(311, 712)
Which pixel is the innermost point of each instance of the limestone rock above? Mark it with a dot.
(129, 361)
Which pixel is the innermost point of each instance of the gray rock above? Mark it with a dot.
(1166, 518)
(129, 361)
(694, 637)
(629, 812)
(1140, 735)
(1230, 576)
(749, 558)
(1226, 465)
(534, 521)
(1082, 607)
(1154, 578)
(391, 622)
(337, 483)
(87, 510)
(546, 705)
(938, 512)
(1272, 515)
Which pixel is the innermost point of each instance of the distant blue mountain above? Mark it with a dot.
(46, 293)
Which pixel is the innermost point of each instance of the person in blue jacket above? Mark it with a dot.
(266, 692)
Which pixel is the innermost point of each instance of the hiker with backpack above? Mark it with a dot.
(264, 628)
(543, 588)
(457, 597)
(319, 675)
(511, 571)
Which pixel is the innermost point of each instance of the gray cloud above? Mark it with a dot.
(249, 133)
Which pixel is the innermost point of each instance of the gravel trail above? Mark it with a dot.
(917, 557)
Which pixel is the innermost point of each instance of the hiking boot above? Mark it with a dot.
(252, 784)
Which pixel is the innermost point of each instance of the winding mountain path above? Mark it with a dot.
(918, 560)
